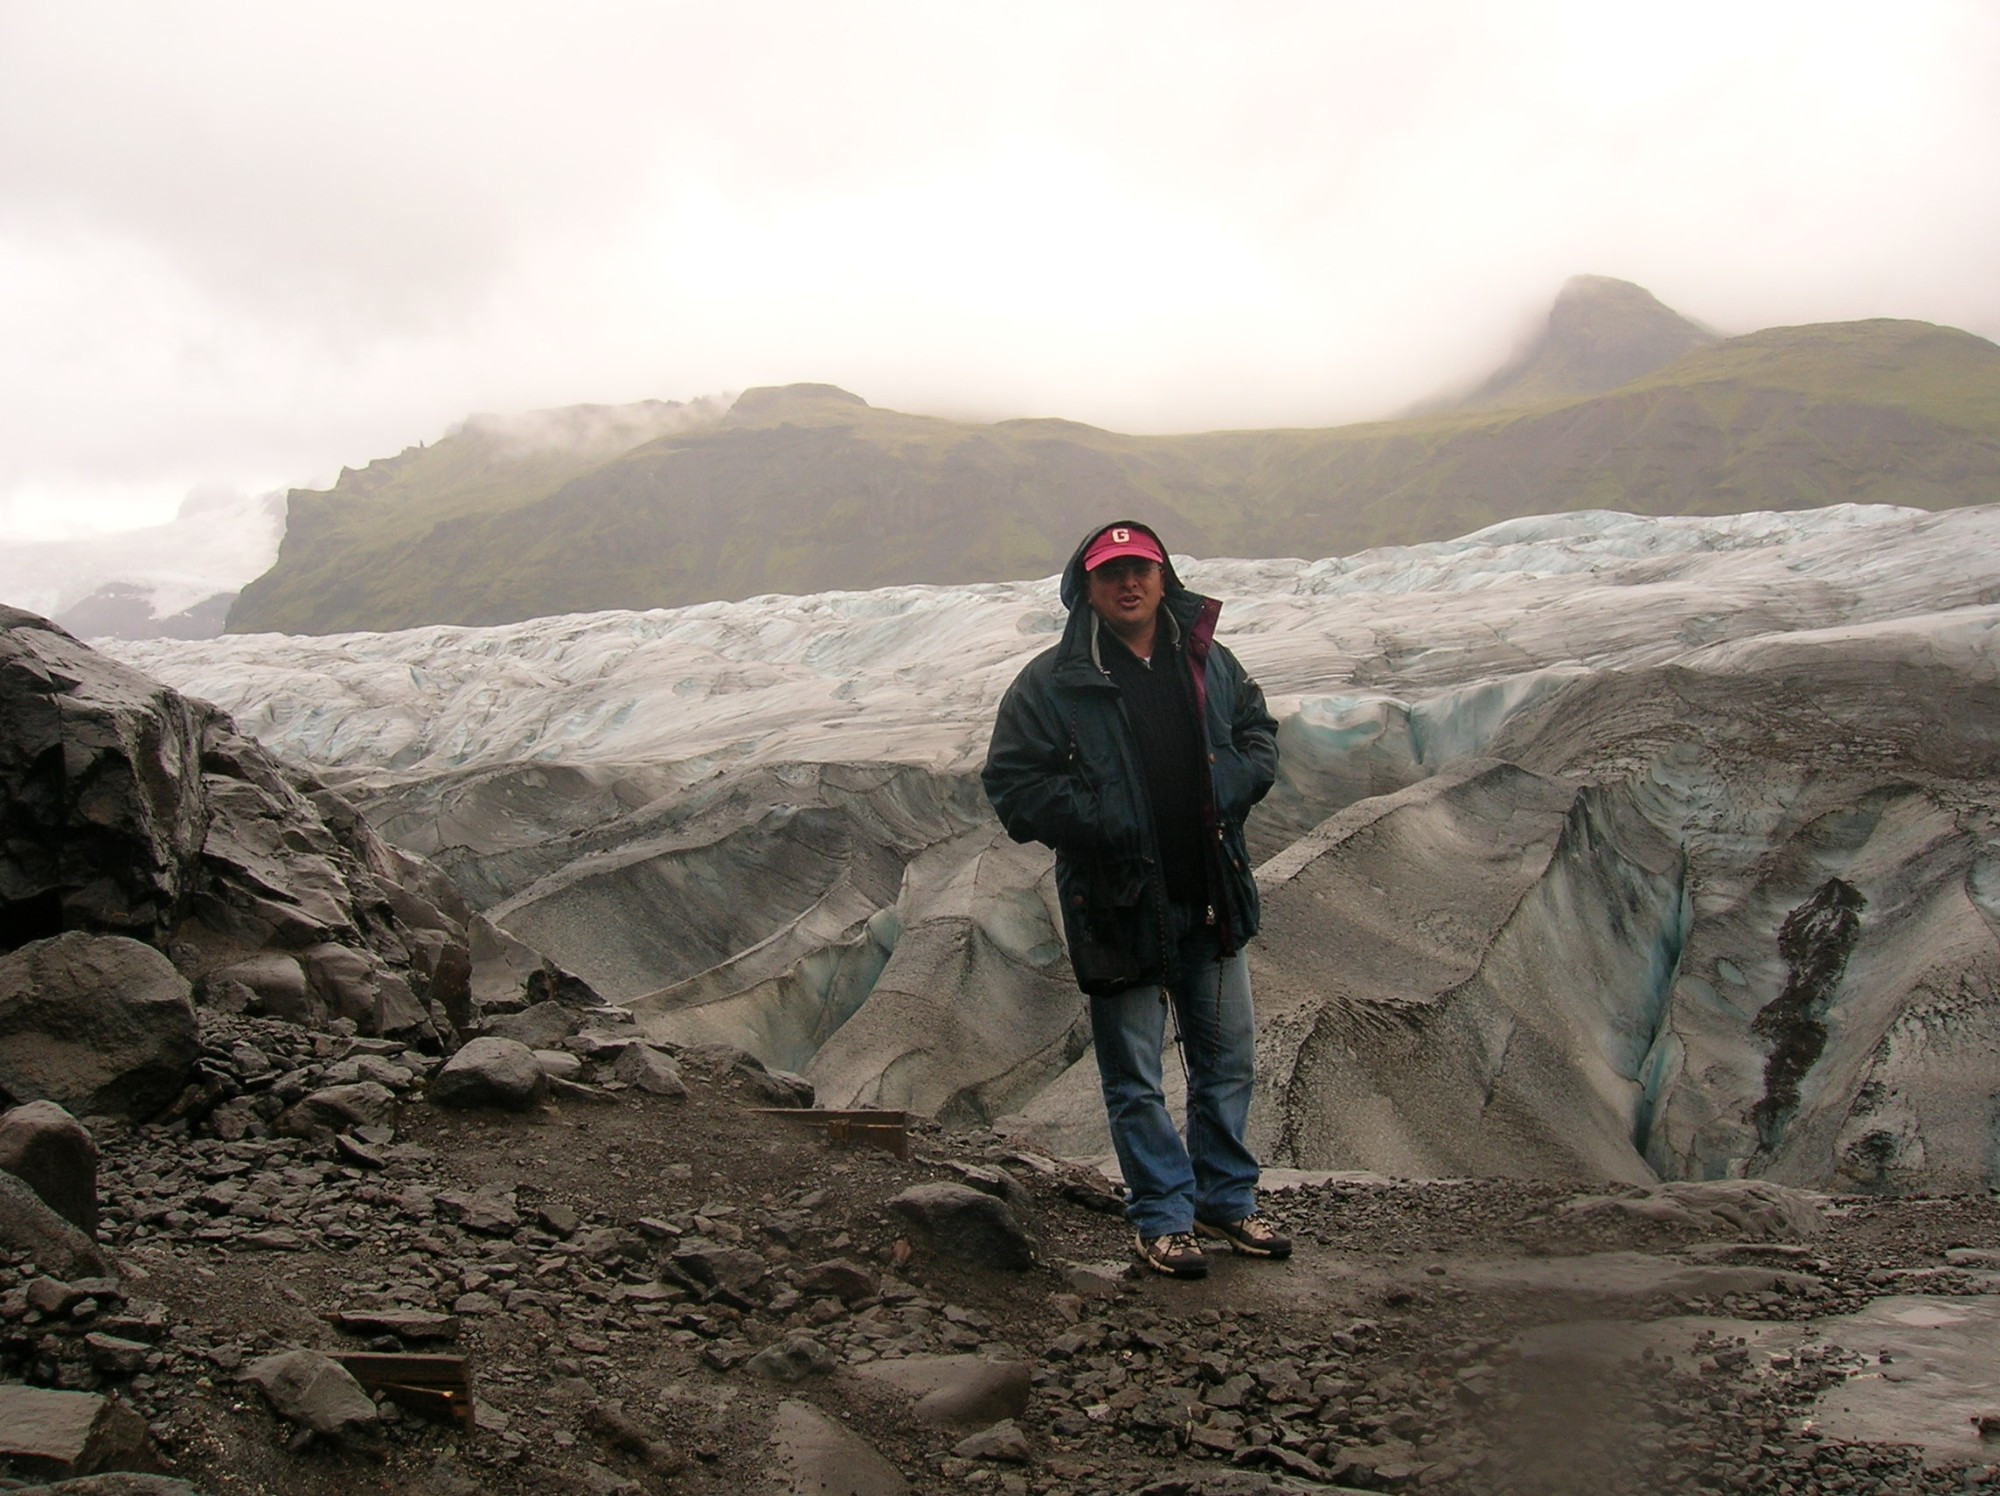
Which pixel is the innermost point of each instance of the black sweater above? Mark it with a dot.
(1159, 704)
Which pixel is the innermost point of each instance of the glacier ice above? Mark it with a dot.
(1549, 793)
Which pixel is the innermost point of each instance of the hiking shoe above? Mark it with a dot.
(1177, 1255)
(1253, 1236)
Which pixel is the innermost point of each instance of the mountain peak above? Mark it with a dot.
(1600, 333)
(772, 404)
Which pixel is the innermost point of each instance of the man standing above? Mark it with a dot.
(1135, 747)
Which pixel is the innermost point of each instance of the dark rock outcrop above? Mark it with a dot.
(128, 809)
(98, 829)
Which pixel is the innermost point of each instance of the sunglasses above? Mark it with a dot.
(1119, 570)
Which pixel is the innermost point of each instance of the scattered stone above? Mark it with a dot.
(356, 1151)
(404, 1324)
(275, 982)
(993, 1181)
(119, 1357)
(817, 1456)
(600, 1480)
(317, 1393)
(559, 1064)
(966, 1223)
(734, 1271)
(335, 1109)
(1097, 1280)
(1003, 1442)
(626, 1433)
(598, 1045)
(56, 1435)
(649, 1069)
(793, 1359)
(49, 1150)
(488, 1212)
(776, 1087)
(966, 1391)
(1223, 1483)
(841, 1279)
(543, 1026)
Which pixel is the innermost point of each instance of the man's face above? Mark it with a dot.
(1126, 594)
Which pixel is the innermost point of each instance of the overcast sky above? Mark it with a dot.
(244, 244)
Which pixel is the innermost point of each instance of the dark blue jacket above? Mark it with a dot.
(1062, 769)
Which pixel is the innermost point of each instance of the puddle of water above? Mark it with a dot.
(1934, 1368)
(1932, 1365)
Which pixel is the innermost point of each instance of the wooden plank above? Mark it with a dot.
(408, 1367)
(849, 1127)
(434, 1385)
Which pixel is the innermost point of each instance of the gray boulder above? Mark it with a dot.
(543, 1026)
(1004, 1443)
(99, 1024)
(650, 1070)
(317, 1393)
(354, 984)
(955, 1391)
(54, 1155)
(559, 1064)
(335, 1109)
(733, 1272)
(491, 1072)
(31, 1228)
(965, 1223)
(276, 982)
(442, 960)
(793, 1359)
(840, 1278)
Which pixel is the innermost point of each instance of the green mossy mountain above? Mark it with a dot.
(808, 488)
(1600, 334)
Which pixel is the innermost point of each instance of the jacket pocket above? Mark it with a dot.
(1105, 916)
(1235, 782)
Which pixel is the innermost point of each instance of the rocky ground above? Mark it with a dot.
(693, 1294)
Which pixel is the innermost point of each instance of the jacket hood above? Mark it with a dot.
(1074, 591)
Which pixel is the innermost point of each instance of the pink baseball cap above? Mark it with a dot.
(1114, 541)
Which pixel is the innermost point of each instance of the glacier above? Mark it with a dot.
(1551, 796)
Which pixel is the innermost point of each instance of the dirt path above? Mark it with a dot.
(611, 1270)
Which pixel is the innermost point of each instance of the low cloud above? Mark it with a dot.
(251, 245)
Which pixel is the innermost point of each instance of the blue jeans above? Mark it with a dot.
(1214, 1175)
